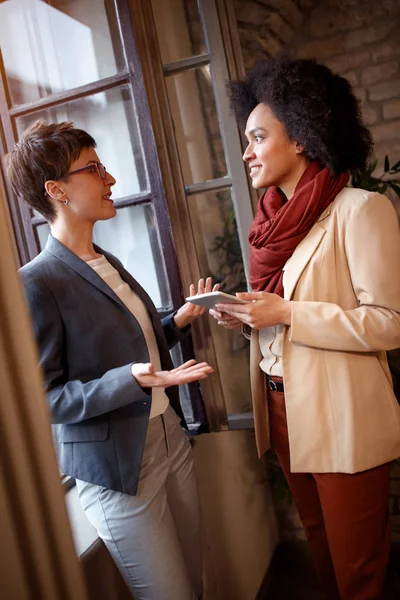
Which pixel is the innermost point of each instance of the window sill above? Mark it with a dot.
(84, 535)
(241, 421)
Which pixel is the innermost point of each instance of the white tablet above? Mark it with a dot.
(212, 298)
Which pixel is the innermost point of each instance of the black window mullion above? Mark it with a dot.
(184, 351)
(69, 95)
(150, 150)
(20, 213)
(121, 203)
(186, 64)
(208, 186)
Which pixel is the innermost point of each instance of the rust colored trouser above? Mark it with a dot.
(345, 517)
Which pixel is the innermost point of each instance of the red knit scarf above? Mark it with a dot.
(279, 226)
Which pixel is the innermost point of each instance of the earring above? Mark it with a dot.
(66, 201)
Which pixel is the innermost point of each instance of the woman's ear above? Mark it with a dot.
(299, 148)
(54, 191)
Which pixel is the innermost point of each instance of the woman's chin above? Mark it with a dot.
(109, 214)
(257, 183)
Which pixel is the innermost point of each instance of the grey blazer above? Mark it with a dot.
(88, 340)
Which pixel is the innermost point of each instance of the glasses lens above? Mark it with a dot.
(102, 170)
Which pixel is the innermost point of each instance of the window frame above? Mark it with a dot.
(145, 75)
(218, 18)
(25, 223)
(131, 77)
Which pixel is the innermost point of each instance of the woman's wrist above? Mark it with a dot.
(181, 320)
(286, 318)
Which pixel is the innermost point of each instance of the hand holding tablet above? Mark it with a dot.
(212, 298)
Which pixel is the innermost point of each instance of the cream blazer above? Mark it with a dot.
(344, 283)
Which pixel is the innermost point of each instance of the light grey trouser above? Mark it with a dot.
(154, 537)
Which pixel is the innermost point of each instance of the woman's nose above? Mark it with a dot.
(110, 179)
(248, 153)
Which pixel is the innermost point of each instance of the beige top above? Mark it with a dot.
(132, 301)
(271, 341)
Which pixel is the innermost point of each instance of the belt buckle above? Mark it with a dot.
(272, 385)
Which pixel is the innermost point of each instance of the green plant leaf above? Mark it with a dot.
(386, 164)
(395, 187)
(372, 166)
(396, 167)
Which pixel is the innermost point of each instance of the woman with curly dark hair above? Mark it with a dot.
(325, 274)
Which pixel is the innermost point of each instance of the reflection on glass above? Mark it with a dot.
(42, 232)
(218, 251)
(132, 236)
(110, 118)
(179, 30)
(49, 47)
(189, 410)
(197, 130)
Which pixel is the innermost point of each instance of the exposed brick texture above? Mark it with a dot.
(386, 89)
(379, 72)
(391, 109)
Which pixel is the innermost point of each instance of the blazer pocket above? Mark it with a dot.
(84, 432)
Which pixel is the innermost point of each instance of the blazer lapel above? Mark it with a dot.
(133, 284)
(79, 266)
(302, 255)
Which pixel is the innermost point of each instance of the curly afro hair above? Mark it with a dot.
(317, 108)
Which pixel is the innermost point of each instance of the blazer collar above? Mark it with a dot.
(325, 214)
(303, 253)
(84, 270)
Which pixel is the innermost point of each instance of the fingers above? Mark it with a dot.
(142, 369)
(204, 287)
(233, 325)
(185, 365)
(142, 372)
(234, 309)
(188, 372)
(192, 374)
(252, 295)
(225, 320)
(208, 287)
(230, 323)
(203, 366)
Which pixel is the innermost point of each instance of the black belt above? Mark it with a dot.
(275, 386)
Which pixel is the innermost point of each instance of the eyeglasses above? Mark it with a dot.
(94, 167)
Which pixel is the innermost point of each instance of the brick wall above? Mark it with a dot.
(359, 39)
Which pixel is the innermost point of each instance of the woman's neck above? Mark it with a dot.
(78, 238)
(289, 186)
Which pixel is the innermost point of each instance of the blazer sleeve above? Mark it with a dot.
(73, 401)
(172, 333)
(372, 246)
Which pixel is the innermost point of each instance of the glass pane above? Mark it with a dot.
(42, 232)
(218, 250)
(110, 118)
(132, 236)
(193, 412)
(179, 29)
(49, 47)
(197, 131)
